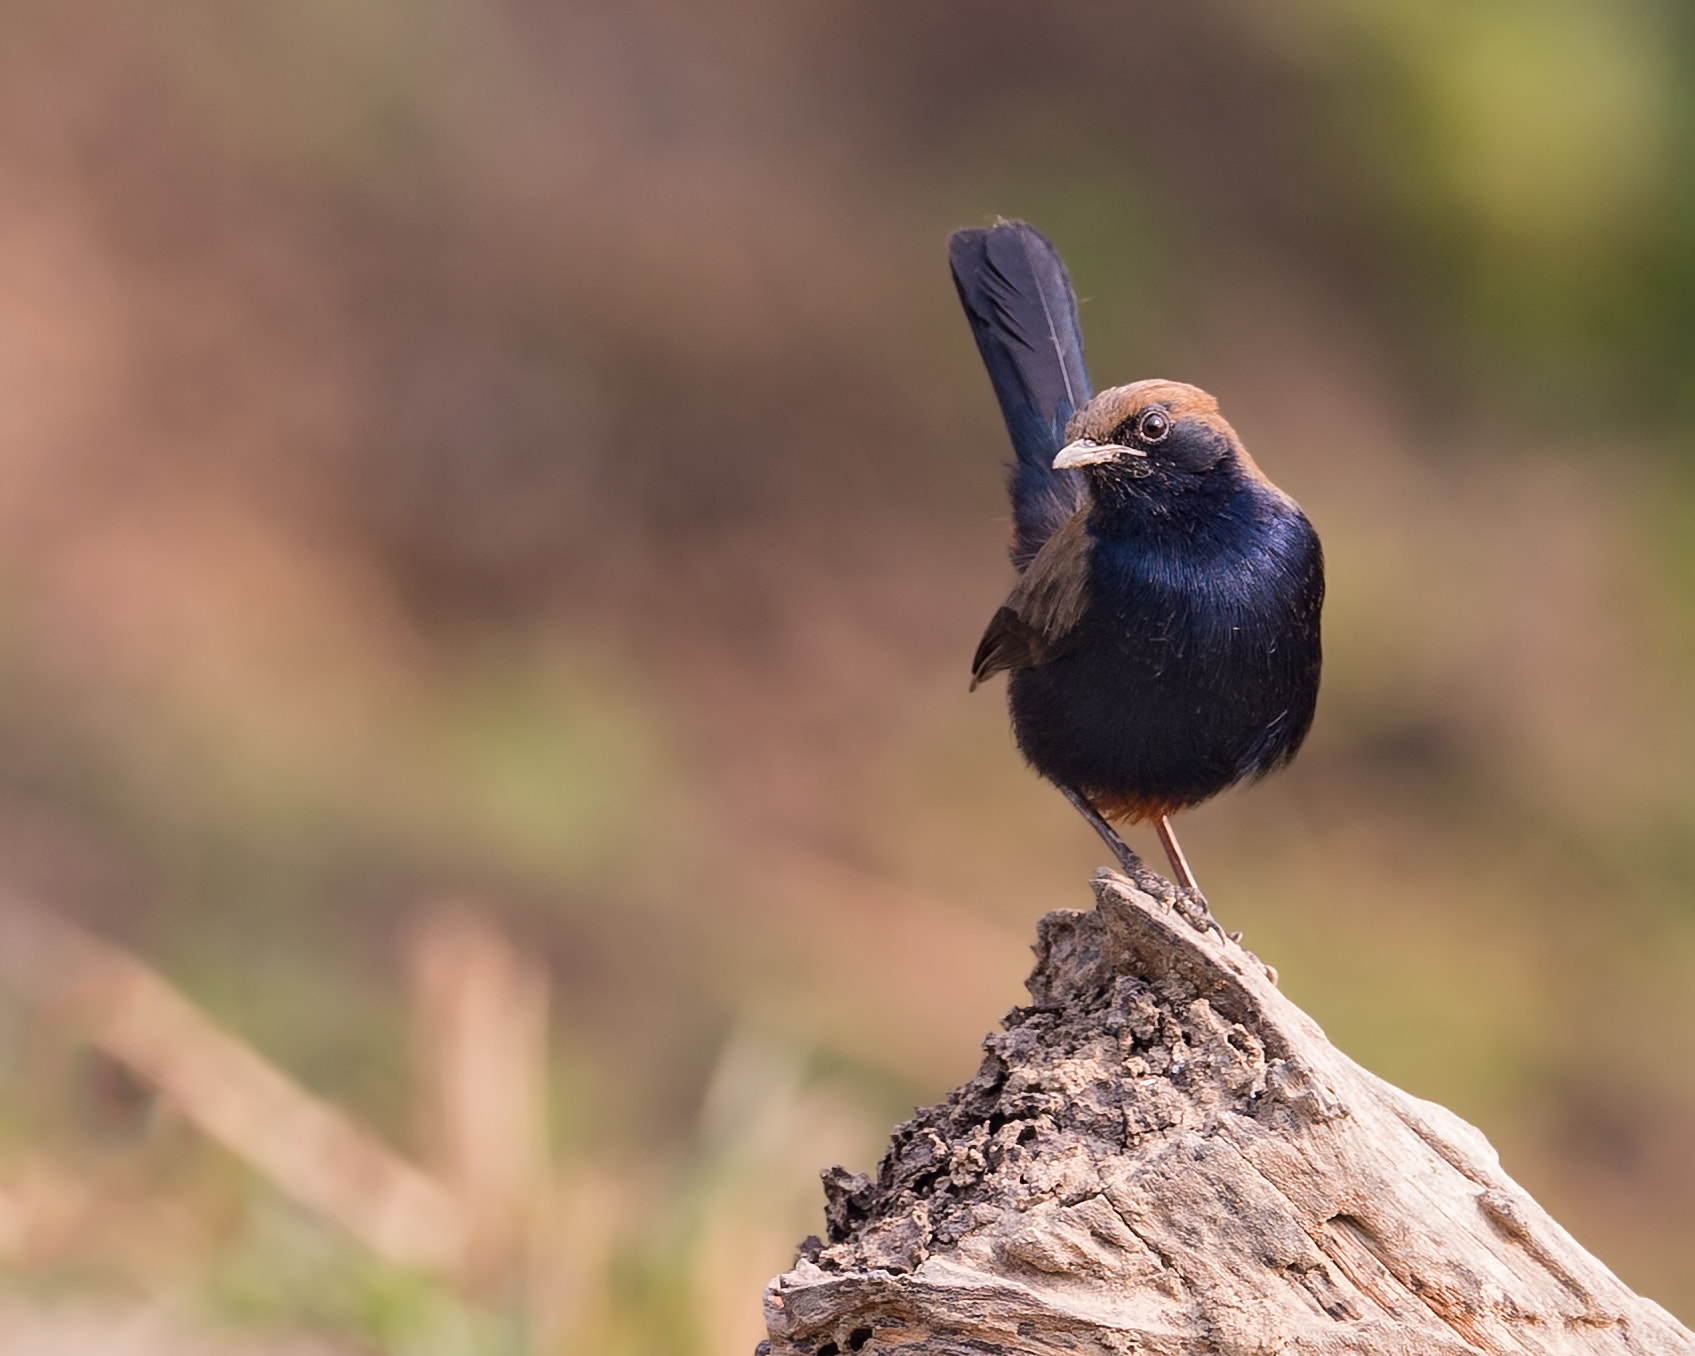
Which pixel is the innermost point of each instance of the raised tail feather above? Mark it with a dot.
(1018, 297)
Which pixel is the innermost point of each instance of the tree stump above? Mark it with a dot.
(1163, 1154)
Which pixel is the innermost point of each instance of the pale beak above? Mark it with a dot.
(1087, 452)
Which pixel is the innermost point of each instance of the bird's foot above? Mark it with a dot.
(1150, 882)
(1192, 904)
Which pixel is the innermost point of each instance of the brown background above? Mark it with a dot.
(530, 454)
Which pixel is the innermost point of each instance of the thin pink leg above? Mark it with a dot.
(1179, 863)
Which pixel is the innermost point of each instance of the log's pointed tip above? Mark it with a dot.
(1107, 881)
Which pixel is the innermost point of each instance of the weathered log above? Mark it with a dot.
(1163, 1154)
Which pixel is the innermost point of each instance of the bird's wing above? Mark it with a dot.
(1038, 621)
(1017, 296)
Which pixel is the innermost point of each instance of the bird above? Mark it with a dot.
(1162, 640)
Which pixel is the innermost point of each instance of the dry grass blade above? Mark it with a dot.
(310, 1149)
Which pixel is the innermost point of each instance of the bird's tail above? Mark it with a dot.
(1018, 297)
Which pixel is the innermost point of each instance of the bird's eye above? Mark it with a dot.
(1153, 425)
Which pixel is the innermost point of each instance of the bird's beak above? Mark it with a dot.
(1087, 452)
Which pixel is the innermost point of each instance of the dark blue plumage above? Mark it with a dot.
(1018, 297)
(1162, 639)
(1195, 664)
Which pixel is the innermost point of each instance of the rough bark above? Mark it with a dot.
(1162, 1154)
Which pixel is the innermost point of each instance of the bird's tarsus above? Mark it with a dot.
(1145, 877)
(1181, 873)
(1131, 864)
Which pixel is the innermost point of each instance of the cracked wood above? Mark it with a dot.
(1162, 1154)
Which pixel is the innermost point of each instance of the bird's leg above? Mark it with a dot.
(1187, 895)
(1187, 887)
(1133, 866)
(1174, 854)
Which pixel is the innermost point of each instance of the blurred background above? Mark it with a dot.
(497, 501)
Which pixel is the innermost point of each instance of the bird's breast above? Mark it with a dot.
(1217, 595)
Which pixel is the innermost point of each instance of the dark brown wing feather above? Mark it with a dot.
(1040, 616)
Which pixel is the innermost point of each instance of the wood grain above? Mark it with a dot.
(1163, 1154)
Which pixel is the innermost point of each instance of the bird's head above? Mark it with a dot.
(1149, 436)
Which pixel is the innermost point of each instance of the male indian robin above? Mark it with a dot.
(1163, 636)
